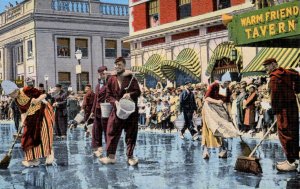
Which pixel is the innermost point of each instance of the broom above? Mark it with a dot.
(245, 146)
(250, 164)
(4, 163)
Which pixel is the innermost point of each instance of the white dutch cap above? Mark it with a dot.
(8, 87)
(226, 77)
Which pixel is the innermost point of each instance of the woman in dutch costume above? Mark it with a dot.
(37, 137)
(217, 123)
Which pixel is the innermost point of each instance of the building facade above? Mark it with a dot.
(39, 38)
(178, 40)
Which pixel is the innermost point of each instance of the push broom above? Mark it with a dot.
(4, 163)
(250, 164)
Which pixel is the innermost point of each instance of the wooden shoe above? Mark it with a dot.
(32, 163)
(107, 160)
(286, 167)
(133, 161)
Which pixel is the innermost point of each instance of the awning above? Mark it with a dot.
(152, 67)
(186, 61)
(223, 50)
(286, 58)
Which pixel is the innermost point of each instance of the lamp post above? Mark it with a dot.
(78, 56)
(46, 77)
(233, 54)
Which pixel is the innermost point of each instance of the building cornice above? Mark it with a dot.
(169, 45)
(209, 19)
(19, 22)
(69, 32)
(107, 20)
(137, 3)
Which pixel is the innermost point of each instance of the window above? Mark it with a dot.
(63, 47)
(153, 13)
(30, 69)
(84, 80)
(64, 78)
(29, 48)
(125, 50)
(20, 81)
(19, 54)
(110, 48)
(221, 4)
(184, 9)
(82, 44)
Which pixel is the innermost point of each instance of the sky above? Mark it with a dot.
(6, 2)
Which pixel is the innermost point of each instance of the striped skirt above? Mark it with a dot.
(44, 149)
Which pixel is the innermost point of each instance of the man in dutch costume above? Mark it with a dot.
(121, 84)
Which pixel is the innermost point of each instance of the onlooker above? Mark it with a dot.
(61, 115)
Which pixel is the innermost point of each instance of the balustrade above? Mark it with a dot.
(71, 6)
(114, 9)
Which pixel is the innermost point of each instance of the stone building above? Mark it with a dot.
(40, 37)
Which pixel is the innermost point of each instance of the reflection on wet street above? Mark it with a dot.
(166, 161)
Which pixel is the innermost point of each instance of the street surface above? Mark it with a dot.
(165, 161)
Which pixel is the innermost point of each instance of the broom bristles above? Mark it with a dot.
(248, 165)
(5, 161)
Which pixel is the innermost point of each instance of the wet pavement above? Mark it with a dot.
(165, 161)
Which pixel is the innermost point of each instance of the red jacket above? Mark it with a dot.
(88, 101)
(284, 84)
(114, 92)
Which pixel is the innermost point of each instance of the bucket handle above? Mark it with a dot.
(133, 76)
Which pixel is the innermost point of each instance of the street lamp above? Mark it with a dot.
(78, 56)
(233, 54)
(46, 77)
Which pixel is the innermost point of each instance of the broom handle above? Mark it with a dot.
(230, 119)
(19, 131)
(253, 151)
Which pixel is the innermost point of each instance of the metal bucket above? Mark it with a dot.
(105, 109)
(125, 108)
(79, 117)
(197, 121)
(179, 124)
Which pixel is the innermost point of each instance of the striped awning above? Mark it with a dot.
(186, 61)
(286, 58)
(152, 67)
(223, 50)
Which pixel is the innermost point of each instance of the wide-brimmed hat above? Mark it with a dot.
(8, 87)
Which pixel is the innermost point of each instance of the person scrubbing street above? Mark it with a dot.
(284, 85)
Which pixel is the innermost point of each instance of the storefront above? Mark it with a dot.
(276, 29)
(276, 26)
(225, 58)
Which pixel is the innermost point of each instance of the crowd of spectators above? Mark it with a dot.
(250, 106)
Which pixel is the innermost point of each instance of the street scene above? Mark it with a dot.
(165, 161)
(149, 94)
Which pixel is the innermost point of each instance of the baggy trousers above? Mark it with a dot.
(99, 126)
(288, 131)
(115, 127)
